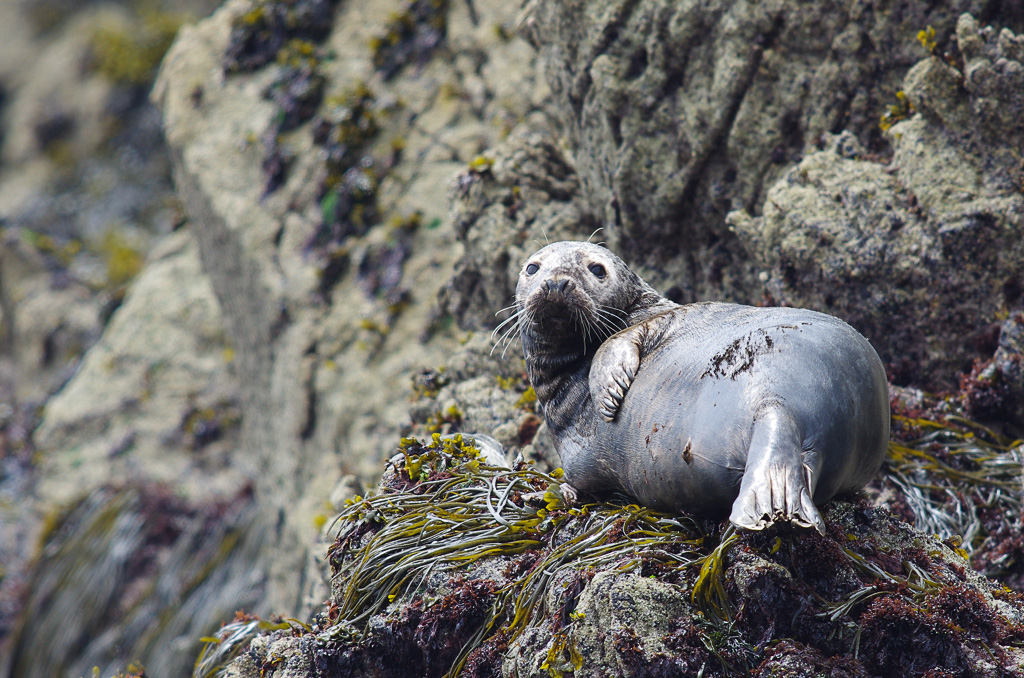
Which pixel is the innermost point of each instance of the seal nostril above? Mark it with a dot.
(556, 285)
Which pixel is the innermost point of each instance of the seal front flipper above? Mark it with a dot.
(613, 369)
(618, 360)
(778, 483)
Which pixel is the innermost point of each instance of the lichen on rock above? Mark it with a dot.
(679, 113)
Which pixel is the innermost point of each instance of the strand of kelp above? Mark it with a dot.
(219, 650)
(945, 498)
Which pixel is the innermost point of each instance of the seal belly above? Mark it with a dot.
(683, 438)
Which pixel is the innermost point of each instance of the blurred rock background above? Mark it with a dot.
(195, 374)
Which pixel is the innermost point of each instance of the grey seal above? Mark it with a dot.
(711, 408)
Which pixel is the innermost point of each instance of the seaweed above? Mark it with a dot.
(123, 260)
(232, 639)
(443, 509)
(202, 426)
(897, 112)
(259, 34)
(960, 480)
(346, 130)
(453, 561)
(411, 36)
(298, 88)
(130, 55)
(287, 33)
(427, 383)
(100, 559)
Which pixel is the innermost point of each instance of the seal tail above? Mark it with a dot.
(778, 484)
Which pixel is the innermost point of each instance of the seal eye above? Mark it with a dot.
(598, 270)
(531, 269)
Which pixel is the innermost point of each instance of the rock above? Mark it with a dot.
(40, 115)
(292, 343)
(134, 570)
(679, 113)
(319, 252)
(811, 592)
(874, 244)
(524, 192)
(142, 434)
(49, 320)
(582, 595)
(154, 400)
(328, 317)
(994, 390)
(84, 192)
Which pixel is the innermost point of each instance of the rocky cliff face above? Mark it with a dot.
(941, 219)
(362, 181)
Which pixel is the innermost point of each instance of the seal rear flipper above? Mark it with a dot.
(777, 484)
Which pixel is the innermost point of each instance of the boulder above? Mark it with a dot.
(880, 243)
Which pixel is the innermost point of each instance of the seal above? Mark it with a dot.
(710, 408)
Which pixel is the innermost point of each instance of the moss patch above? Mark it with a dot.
(130, 55)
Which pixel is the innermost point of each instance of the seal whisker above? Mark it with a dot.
(609, 322)
(617, 320)
(498, 336)
(523, 318)
(610, 318)
(585, 324)
(594, 327)
(509, 335)
(504, 322)
(603, 325)
(576, 318)
(618, 314)
(507, 308)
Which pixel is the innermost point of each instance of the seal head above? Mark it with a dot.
(570, 298)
